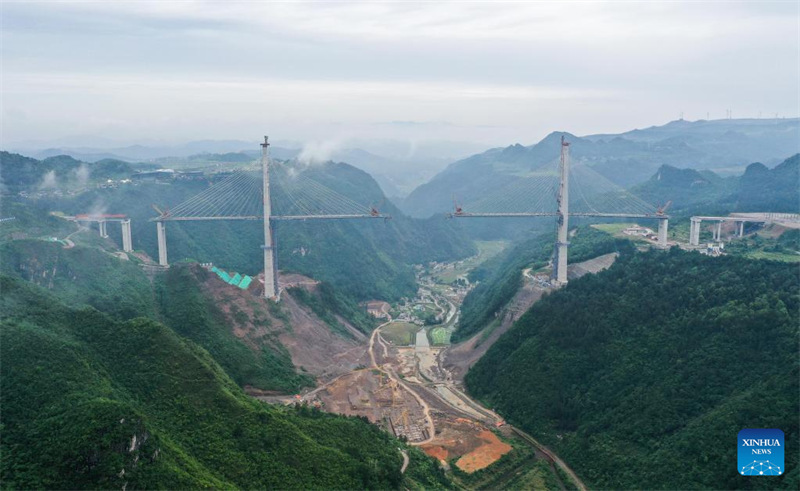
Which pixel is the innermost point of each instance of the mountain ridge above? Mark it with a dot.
(623, 159)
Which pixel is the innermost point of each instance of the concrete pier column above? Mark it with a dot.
(102, 227)
(741, 229)
(560, 261)
(719, 231)
(663, 224)
(127, 242)
(694, 231)
(162, 244)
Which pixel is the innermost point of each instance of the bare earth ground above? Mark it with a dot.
(484, 455)
(310, 342)
(460, 357)
(372, 393)
(408, 390)
(595, 265)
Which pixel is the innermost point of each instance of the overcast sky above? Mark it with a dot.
(494, 73)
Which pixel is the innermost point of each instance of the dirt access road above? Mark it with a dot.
(389, 371)
(413, 391)
(468, 353)
(446, 392)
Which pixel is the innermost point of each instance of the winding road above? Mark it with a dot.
(392, 375)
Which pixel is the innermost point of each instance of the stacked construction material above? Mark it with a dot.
(242, 282)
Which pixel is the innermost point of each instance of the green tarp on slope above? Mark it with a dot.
(245, 282)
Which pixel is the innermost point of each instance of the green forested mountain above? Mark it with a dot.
(93, 402)
(365, 258)
(759, 189)
(19, 173)
(89, 276)
(763, 189)
(81, 276)
(501, 276)
(626, 159)
(685, 188)
(637, 374)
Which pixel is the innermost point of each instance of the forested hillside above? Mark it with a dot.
(763, 189)
(92, 402)
(626, 159)
(20, 173)
(501, 276)
(759, 189)
(81, 276)
(85, 276)
(638, 373)
(380, 252)
(685, 188)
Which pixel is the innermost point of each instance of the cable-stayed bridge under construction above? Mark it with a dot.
(251, 196)
(282, 192)
(557, 189)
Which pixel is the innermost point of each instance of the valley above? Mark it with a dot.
(413, 386)
(414, 363)
(412, 246)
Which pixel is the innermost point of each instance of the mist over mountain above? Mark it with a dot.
(399, 166)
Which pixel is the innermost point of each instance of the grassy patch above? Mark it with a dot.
(616, 229)
(400, 333)
(439, 336)
(486, 250)
(775, 256)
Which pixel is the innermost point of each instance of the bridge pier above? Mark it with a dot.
(741, 229)
(127, 242)
(162, 243)
(694, 231)
(102, 227)
(718, 231)
(663, 224)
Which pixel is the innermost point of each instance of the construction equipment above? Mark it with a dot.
(158, 210)
(663, 209)
(457, 207)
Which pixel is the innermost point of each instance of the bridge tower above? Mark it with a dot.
(560, 260)
(270, 274)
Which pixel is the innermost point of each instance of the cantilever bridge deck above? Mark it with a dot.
(282, 192)
(278, 192)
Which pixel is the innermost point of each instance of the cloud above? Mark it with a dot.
(501, 71)
(317, 152)
(49, 181)
(99, 207)
(81, 175)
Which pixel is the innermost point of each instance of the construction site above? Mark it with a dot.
(411, 391)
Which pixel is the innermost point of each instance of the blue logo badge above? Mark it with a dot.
(761, 452)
